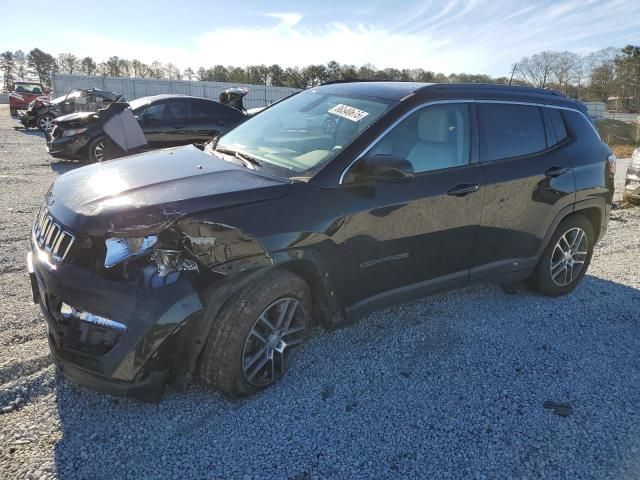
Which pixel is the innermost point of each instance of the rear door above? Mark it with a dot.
(209, 118)
(529, 179)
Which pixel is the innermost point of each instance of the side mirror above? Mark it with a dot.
(380, 168)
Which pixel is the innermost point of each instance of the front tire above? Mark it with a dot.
(97, 150)
(45, 122)
(255, 336)
(566, 259)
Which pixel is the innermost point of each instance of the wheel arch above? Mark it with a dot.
(595, 210)
(323, 295)
(594, 215)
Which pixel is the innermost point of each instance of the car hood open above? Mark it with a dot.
(144, 193)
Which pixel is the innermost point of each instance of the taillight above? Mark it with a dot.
(611, 160)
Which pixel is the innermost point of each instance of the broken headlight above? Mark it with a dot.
(169, 261)
(120, 249)
(72, 132)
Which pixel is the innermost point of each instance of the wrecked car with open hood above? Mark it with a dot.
(166, 120)
(41, 112)
(336, 201)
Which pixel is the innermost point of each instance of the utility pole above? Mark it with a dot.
(515, 65)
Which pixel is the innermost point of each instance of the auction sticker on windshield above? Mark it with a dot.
(350, 113)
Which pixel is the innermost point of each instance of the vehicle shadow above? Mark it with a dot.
(450, 383)
(64, 166)
(32, 132)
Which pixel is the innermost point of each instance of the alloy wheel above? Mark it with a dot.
(46, 123)
(98, 152)
(568, 257)
(272, 341)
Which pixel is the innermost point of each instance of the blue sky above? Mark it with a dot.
(474, 36)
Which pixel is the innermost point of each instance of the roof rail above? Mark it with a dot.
(496, 86)
(350, 80)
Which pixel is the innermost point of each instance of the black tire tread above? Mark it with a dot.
(541, 280)
(219, 363)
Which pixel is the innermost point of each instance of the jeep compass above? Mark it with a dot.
(336, 201)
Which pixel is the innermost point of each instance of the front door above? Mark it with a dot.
(408, 238)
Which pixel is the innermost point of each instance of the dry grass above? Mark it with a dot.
(622, 151)
(617, 132)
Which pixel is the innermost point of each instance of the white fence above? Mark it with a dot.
(132, 88)
(596, 109)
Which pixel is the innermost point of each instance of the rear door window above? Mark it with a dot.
(204, 111)
(510, 130)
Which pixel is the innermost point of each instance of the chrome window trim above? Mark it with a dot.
(458, 100)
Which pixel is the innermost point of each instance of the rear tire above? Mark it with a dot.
(13, 112)
(256, 334)
(97, 150)
(566, 259)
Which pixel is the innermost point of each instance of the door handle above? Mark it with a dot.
(556, 171)
(178, 127)
(463, 189)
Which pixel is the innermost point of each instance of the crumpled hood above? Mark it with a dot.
(144, 193)
(75, 118)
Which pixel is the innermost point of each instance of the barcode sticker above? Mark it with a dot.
(350, 113)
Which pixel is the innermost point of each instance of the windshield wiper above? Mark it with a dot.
(242, 156)
(249, 158)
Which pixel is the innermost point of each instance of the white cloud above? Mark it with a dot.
(475, 36)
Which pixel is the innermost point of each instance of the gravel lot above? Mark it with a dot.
(451, 386)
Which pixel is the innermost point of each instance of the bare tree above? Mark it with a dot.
(172, 72)
(21, 66)
(603, 72)
(67, 63)
(139, 69)
(563, 68)
(537, 69)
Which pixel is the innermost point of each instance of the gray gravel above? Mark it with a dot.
(451, 386)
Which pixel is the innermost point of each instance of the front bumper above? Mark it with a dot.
(632, 184)
(137, 362)
(26, 120)
(67, 147)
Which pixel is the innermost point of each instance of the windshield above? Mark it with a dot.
(305, 131)
(69, 96)
(137, 103)
(28, 87)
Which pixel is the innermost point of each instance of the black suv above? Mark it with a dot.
(166, 120)
(336, 201)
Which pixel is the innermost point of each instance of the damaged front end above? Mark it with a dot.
(122, 268)
(120, 314)
(124, 314)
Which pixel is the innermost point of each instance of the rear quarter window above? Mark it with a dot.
(557, 123)
(508, 131)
